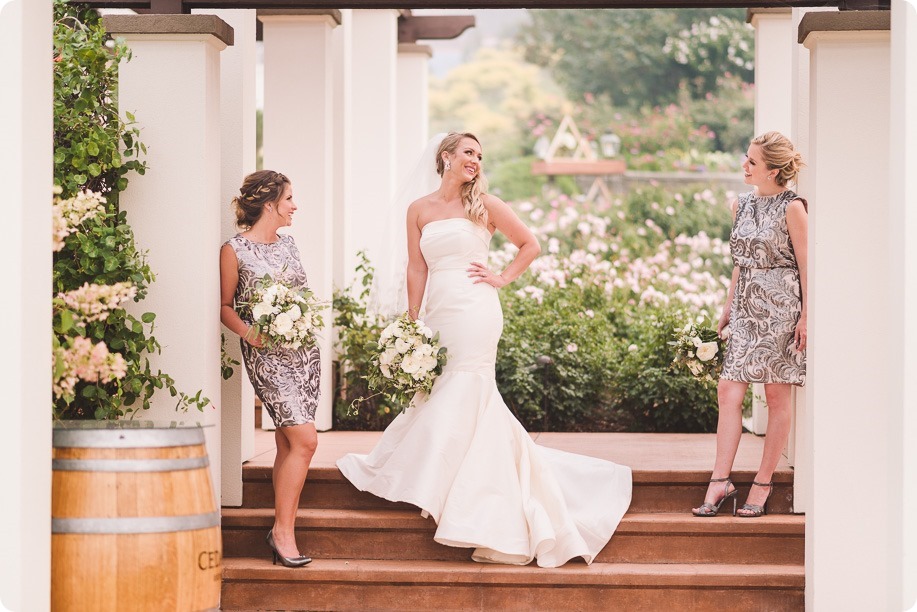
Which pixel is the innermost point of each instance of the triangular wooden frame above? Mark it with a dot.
(583, 149)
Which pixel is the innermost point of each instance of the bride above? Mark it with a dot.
(459, 454)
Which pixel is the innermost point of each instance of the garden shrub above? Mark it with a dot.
(94, 149)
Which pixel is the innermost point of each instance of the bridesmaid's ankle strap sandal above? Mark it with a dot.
(753, 510)
(707, 509)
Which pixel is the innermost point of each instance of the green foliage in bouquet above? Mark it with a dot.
(699, 350)
(94, 150)
(406, 360)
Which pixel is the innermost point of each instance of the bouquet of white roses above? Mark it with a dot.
(285, 316)
(406, 359)
(699, 350)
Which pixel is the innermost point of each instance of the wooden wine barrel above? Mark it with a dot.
(133, 520)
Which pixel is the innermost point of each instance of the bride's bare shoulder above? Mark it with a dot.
(419, 205)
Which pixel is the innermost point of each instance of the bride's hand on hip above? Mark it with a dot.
(481, 274)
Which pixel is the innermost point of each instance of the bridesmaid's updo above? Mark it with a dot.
(779, 154)
(258, 189)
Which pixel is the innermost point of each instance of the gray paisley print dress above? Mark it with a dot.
(286, 380)
(767, 299)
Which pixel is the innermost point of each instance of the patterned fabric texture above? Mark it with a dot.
(767, 300)
(286, 380)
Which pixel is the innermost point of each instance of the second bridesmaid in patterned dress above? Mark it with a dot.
(765, 314)
(286, 380)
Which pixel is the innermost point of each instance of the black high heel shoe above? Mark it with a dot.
(754, 511)
(708, 509)
(285, 561)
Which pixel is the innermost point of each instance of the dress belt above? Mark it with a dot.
(771, 268)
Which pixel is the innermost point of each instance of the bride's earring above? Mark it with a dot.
(448, 165)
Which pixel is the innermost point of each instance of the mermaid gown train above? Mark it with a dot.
(463, 458)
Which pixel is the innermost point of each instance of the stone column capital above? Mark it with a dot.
(753, 14)
(413, 48)
(170, 25)
(843, 21)
(333, 16)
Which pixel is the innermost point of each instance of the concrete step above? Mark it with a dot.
(668, 490)
(348, 584)
(640, 538)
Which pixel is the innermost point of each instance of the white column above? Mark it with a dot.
(800, 443)
(299, 141)
(174, 208)
(903, 265)
(342, 42)
(413, 114)
(373, 121)
(25, 173)
(237, 150)
(851, 335)
(775, 38)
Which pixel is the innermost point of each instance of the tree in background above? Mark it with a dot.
(638, 57)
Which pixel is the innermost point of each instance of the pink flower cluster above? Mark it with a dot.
(686, 270)
(68, 214)
(93, 302)
(85, 361)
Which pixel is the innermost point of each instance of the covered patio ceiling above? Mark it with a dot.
(185, 6)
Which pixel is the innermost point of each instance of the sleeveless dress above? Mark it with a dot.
(286, 380)
(767, 301)
(463, 458)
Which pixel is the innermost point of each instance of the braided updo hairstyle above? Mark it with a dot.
(258, 190)
(779, 154)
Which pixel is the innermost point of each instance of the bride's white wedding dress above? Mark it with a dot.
(461, 456)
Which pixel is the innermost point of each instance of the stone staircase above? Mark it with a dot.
(370, 554)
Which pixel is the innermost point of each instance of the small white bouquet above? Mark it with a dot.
(285, 316)
(699, 350)
(407, 359)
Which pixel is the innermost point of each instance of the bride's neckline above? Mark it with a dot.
(428, 223)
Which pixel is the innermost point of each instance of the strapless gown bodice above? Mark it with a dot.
(466, 314)
(462, 457)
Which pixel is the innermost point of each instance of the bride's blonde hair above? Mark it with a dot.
(473, 191)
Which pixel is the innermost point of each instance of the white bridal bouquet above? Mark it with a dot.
(406, 359)
(699, 350)
(287, 317)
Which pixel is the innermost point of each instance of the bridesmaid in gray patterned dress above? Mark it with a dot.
(287, 381)
(765, 315)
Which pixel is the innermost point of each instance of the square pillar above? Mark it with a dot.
(902, 468)
(172, 85)
(237, 152)
(299, 141)
(775, 38)
(413, 105)
(800, 443)
(26, 123)
(374, 125)
(342, 45)
(850, 288)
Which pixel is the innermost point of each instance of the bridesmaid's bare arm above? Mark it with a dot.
(797, 223)
(417, 265)
(229, 281)
(501, 217)
(724, 318)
